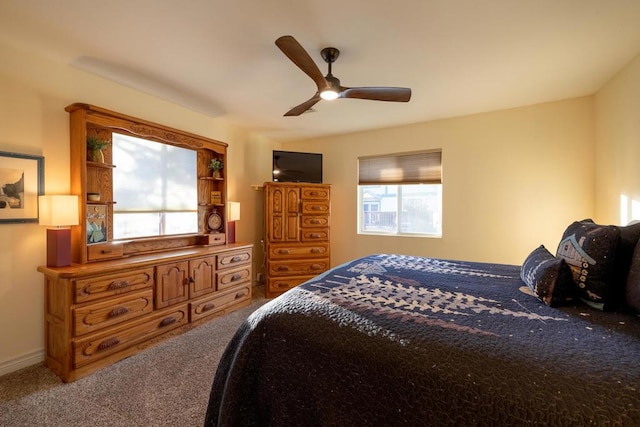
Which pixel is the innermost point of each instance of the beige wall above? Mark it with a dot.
(513, 180)
(33, 94)
(617, 107)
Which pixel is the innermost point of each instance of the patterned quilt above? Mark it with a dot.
(390, 340)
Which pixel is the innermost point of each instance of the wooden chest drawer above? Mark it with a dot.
(104, 251)
(229, 278)
(283, 284)
(315, 221)
(297, 268)
(288, 251)
(310, 193)
(97, 346)
(220, 301)
(100, 315)
(314, 234)
(231, 259)
(315, 207)
(94, 288)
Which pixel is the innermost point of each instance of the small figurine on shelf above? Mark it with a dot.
(94, 149)
(216, 166)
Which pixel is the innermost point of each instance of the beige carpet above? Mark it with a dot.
(167, 385)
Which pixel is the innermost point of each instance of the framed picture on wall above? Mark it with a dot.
(21, 182)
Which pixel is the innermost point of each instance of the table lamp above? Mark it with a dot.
(233, 215)
(58, 211)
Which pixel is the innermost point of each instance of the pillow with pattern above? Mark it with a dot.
(590, 250)
(548, 277)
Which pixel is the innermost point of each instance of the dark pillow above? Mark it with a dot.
(629, 236)
(632, 294)
(548, 277)
(590, 250)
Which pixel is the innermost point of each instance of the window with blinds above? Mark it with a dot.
(155, 186)
(400, 194)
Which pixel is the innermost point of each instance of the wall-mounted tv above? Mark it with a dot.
(291, 166)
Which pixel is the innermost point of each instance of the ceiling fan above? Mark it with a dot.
(329, 86)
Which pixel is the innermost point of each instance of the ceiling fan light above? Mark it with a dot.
(329, 94)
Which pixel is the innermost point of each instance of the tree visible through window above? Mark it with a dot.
(400, 194)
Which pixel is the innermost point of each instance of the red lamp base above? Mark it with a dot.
(58, 247)
(231, 232)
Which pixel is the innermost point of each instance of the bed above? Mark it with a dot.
(402, 340)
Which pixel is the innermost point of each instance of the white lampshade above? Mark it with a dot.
(58, 210)
(234, 211)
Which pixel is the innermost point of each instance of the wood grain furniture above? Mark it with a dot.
(120, 296)
(297, 234)
(99, 313)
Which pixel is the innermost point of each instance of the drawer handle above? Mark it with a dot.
(118, 311)
(317, 266)
(313, 193)
(216, 238)
(208, 306)
(315, 221)
(236, 276)
(236, 259)
(315, 235)
(316, 208)
(118, 285)
(283, 285)
(241, 295)
(315, 251)
(283, 251)
(168, 321)
(109, 342)
(282, 268)
(106, 251)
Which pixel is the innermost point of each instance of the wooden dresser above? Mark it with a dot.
(99, 313)
(296, 234)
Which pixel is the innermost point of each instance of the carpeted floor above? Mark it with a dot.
(167, 385)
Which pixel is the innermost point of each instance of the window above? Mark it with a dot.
(400, 194)
(155, 186)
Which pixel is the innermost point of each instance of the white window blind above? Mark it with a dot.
(406, 168)
(153, 177)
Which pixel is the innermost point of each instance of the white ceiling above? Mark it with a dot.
(218, 56)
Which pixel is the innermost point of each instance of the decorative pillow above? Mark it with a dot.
(548, 277)
(590, 250)
(632, 293)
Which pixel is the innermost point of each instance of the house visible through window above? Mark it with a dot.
(400, 194)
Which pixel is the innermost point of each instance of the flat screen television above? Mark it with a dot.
(291, 166)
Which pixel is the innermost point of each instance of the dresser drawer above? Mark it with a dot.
(314, 234)
(231, 259)
(229, 278)
(311, 193)
(97, 346)
(104, 251)
(283, 284)
(315, 221)
(297, 268)
(220, 301)
(94, 288)
(100, 315)
(315, 207)
(288, 251)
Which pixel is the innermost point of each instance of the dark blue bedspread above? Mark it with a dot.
(391, 340)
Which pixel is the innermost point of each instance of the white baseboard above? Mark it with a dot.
(23, 361)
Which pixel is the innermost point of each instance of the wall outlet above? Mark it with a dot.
(259, 277)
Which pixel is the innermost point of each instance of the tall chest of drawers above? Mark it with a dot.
(297, 219)
(97, 314)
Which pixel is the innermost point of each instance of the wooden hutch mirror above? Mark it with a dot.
(93, 178)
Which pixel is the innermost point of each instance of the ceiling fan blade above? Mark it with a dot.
(296, 53)
(296, 111)
(394, 94)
